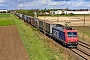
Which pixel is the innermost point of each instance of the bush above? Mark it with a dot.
(8, 11)
(4, 11)
(0, 11)
(71, 14)
(63, 14)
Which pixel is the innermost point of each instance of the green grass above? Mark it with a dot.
(5, 23)
(5, 20)
(83, 33)
(37, 48)
(83, 30)
(2, 15)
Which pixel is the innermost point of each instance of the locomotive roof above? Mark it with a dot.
(59, 28)
(62, 28)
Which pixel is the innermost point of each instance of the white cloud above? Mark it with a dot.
(31, 4)
(20, 5)
(2, 0)
(48, 4)
(79, 4)
(42, 1)
(56, 3)
(41, 4)
(88, 5)
(53, 3)
(1, 4)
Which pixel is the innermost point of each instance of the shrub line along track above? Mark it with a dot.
(82, 50)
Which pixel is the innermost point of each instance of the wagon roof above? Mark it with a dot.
(59, 28)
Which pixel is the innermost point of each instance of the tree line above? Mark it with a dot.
(37, 12)
(33, 13)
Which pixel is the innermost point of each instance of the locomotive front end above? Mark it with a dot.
(72, 38)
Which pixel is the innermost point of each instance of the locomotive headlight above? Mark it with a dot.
(76, 43)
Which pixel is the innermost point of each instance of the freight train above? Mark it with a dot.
(66, 35)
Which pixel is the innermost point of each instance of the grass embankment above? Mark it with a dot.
(2, 15)
(37, 48)
(84, 32)
(5, 20)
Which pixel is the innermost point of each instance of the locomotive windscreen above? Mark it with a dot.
(72, 34)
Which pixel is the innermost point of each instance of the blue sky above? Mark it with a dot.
(41, 4)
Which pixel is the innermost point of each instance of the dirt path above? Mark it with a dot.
(11, 45)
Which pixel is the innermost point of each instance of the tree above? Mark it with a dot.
(37, 12)
(63, 14)
(26, 12)
(45, 11)
(30, 13)
(4, 11)
(71, 14)
(0, 11)
(8, 11)
(48, 10)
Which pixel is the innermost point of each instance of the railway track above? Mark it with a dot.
(84, 44)
(82, 50)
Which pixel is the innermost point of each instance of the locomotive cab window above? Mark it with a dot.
(72, 34)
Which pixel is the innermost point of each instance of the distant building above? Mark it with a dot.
(46, 13)
(82, 11)
(77, 12)
(56, 12)
(3, 10)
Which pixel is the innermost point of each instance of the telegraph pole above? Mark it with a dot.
(37, 13)
(84, 27)
(58, 16)
(44, 21)
(84, 19)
